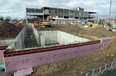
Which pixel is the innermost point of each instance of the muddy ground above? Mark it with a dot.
(75, 66)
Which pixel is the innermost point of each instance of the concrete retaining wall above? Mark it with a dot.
(50, 37)
(36, 34)
(37, 59)
(18, 43)
(66, 38)
(53, 37)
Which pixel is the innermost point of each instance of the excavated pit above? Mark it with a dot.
(56, 38)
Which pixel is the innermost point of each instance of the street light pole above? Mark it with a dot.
(110, 11)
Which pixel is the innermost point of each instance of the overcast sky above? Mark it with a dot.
(16, 8)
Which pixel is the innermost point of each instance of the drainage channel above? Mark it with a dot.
(30, 40)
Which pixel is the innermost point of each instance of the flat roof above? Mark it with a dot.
(59, 8)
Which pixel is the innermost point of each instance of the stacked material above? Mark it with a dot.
(8, 30)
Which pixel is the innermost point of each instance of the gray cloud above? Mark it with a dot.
(16, 8)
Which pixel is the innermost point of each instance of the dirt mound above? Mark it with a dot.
(99, 32)
(73, 29)
(8, 30)
(75, 66)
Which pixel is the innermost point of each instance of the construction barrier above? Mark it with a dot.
(100, 70)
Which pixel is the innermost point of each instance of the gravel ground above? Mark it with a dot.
(75, 66)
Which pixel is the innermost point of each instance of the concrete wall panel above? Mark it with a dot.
(49, 36)
(36, 34)
(60, 37)
(19, 40)
(66, 38)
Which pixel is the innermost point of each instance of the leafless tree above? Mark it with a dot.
(2, 18)
(8, 18)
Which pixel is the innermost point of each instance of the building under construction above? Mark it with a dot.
(60, 15)
(35, 47)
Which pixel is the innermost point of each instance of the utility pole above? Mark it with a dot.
(43, 14)
(26, 16)
(110, 11)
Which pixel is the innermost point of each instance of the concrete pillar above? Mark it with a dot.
(43, 14)
(26, 19)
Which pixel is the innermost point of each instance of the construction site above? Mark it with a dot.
(57, 42)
